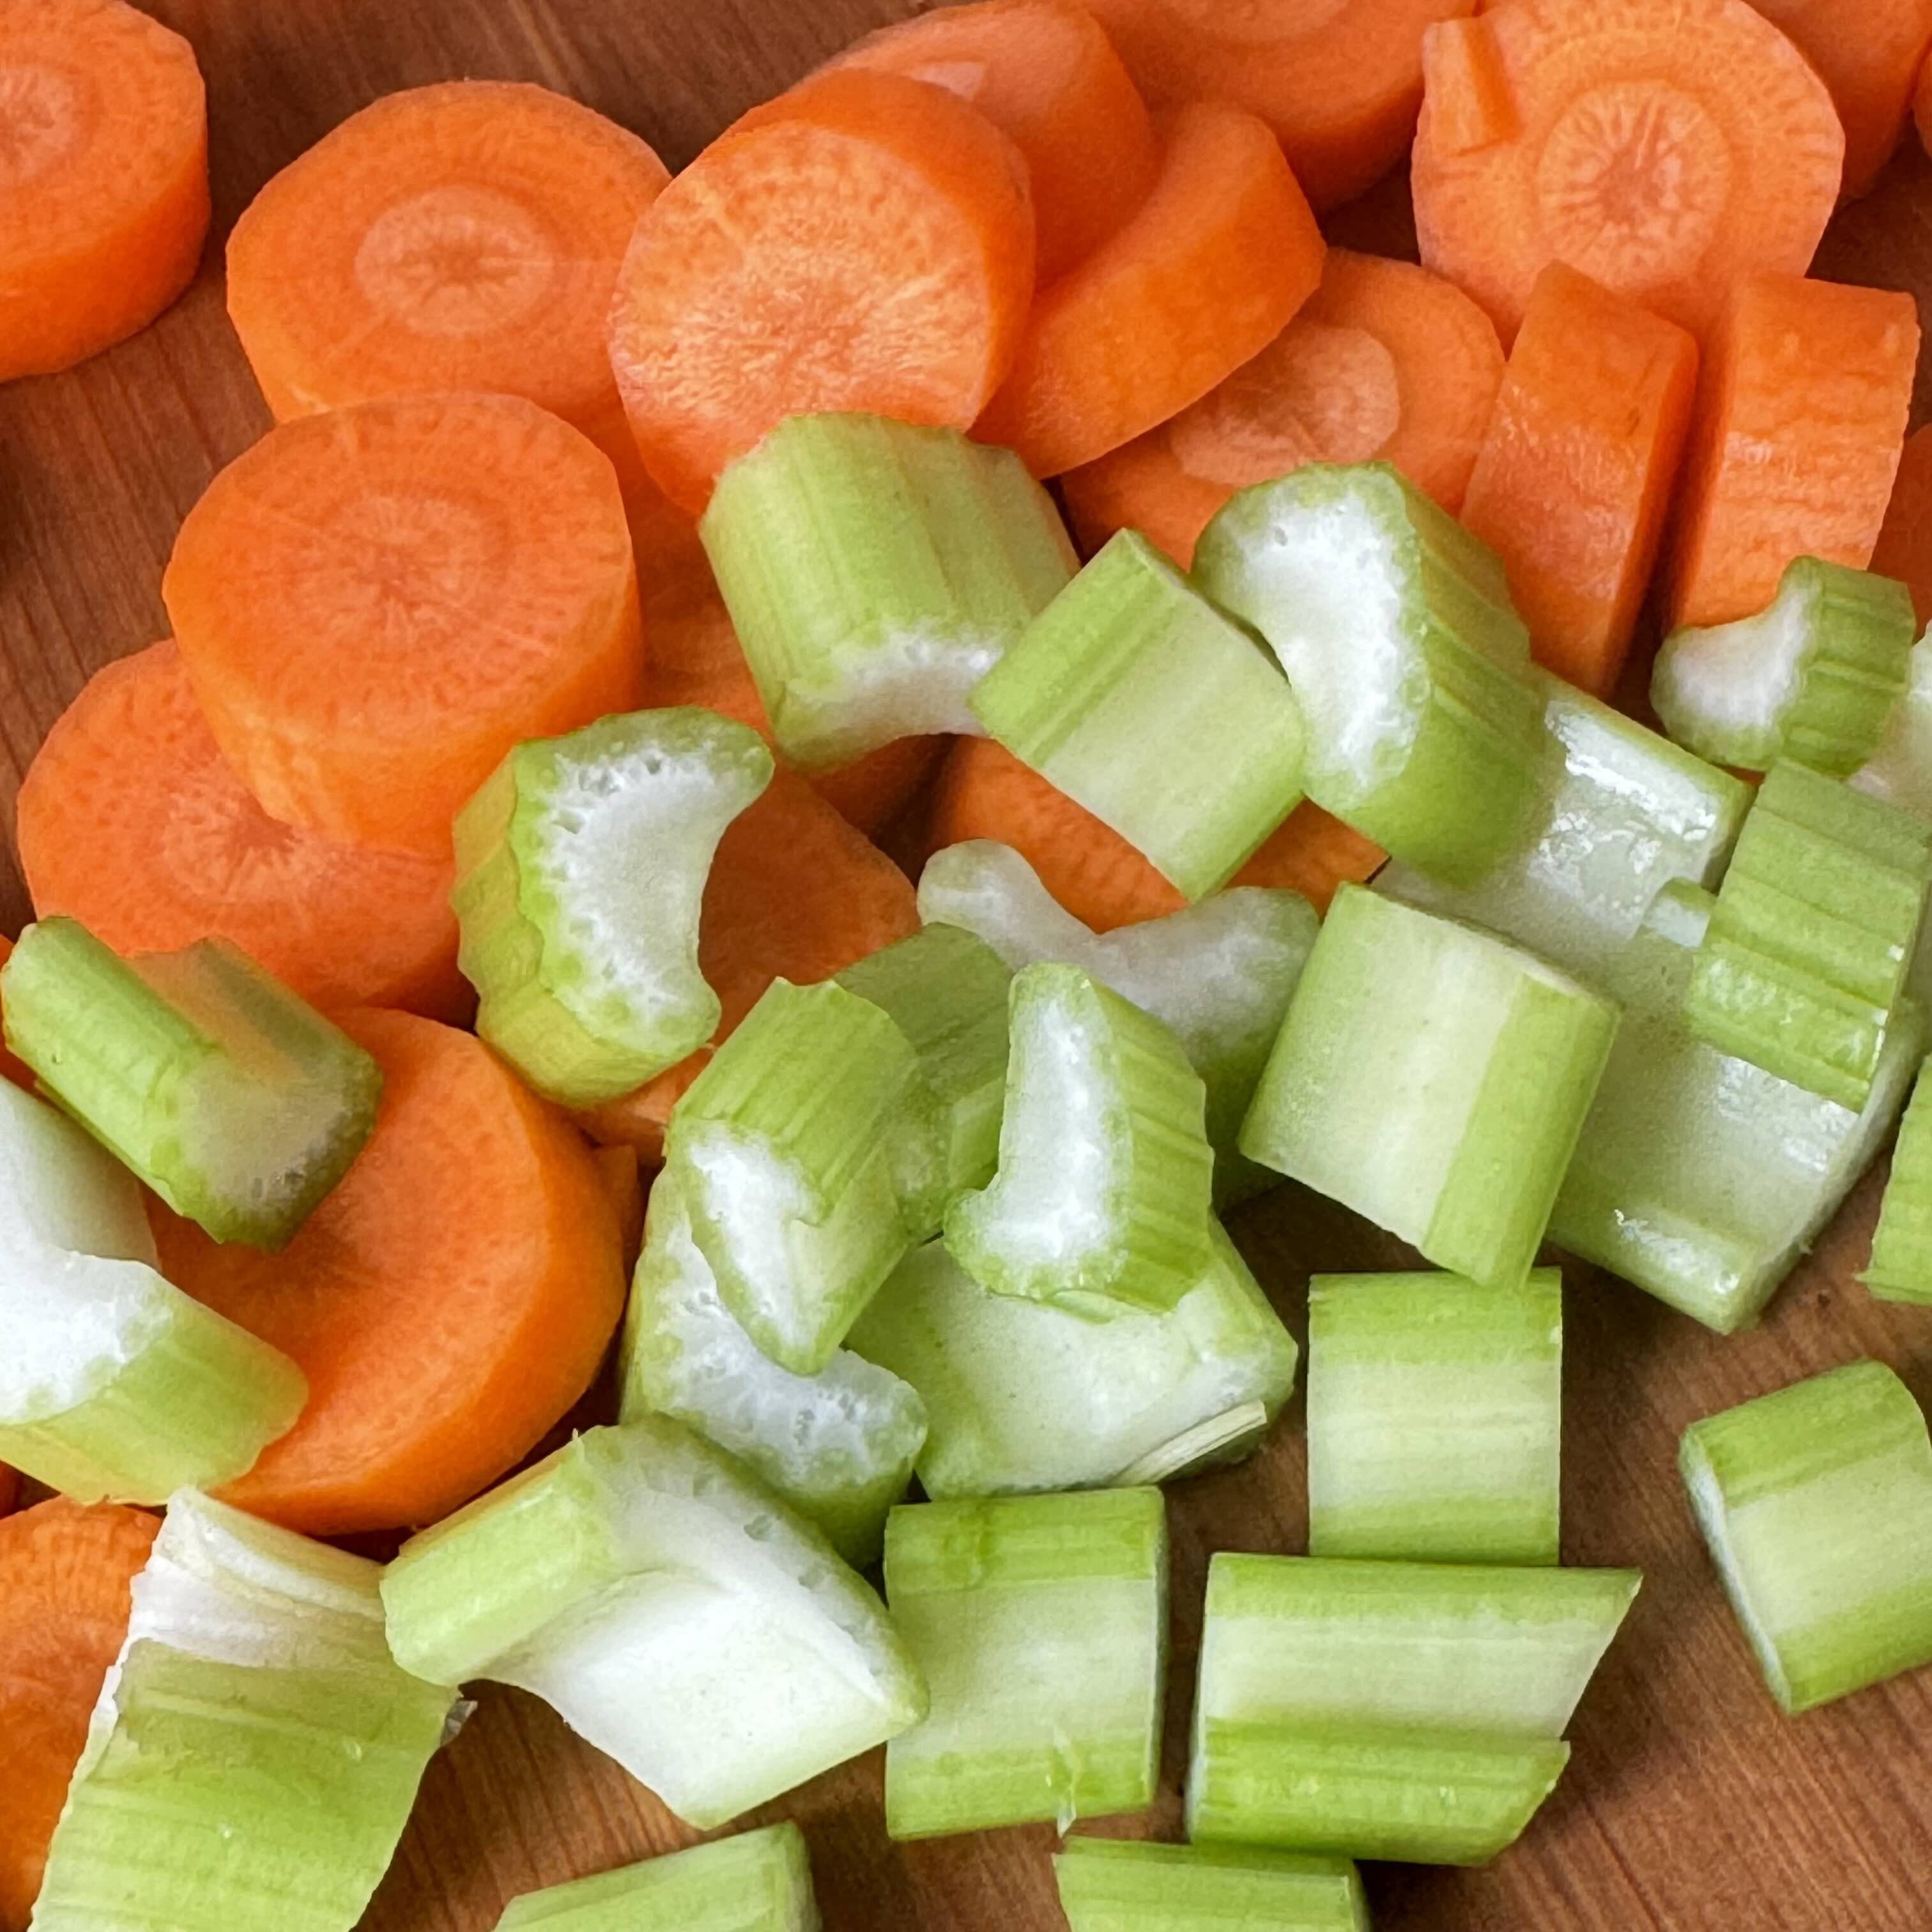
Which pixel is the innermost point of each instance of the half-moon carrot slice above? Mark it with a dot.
(448, 1302)
(104, 177)
(375, 605)
(1904, 546)
(1665, 147)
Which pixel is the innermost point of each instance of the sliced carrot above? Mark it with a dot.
(1219, 256)
(375, 605)
(448, 1302)
(1666, 147)
(1904, 546)
(65, 1575)
(104, 177)
(129, 820)
(1801, 416)
(1575, 473)
(1338, 80)
(618, 1168)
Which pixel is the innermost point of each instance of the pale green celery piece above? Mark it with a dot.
(1129, 655)
(1802, 967)
(671, 1609)
(1900, 1269)
(580, 867)
(1118, 1884)
(789, 1150)
(756, 1881)
(1900, 770)
(1101, 1201)
(1813, 677)
(114, 1384)
(237, 1103)
(838, 1446)
(1022, 1396)
(1625, 812)
(1435, 1410)
(1817, 1502)
(1434, 1078)
(875, 571)
(1041, 1625)
(1424, 730)
(255, 1751)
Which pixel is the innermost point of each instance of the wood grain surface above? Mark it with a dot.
(1690, 1804)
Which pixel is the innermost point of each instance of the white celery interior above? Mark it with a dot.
(990, 889)
(1736, 1569)
(1725, 689)
(758, 1196)
(904, 684)
(1900, 771)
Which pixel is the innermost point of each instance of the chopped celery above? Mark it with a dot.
(1128, 655)
(1900, 770)
(1817, 1502)
(1101, 1202)
(1433, 1078)
(875, 571)
(580, 867)
(1394, 625)
(1813, 677)
(237, 1103)
(256, 1751)
(1041, 1625)
(1020, 1395)
(1804, 959)
(113, 1383)
(1434, 1418)
(1901, 1251)
(838, 1446)
(671, 1608)
(788, 1149)
(1115, 1884)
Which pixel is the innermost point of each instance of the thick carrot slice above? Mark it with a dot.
(1338, 80)
(1575, 473)
(104, 177)
(65, 1575)
(864, 242)
(1800, 419)
(1904, 546)
(448, 1303)
(619, 1169)
(375, 605)
(1666, 147)
(1220, 255)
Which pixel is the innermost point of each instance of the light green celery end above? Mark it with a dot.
(1121, 1884)
(1900, 770)
(1900, 1269)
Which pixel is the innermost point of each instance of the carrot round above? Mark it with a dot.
(1665, 147)
(1219, 256)
(1904, 546)
(375, 605)
(448, 1302)
(622, 1176)
(104, 177)
(66, 1572)
(864, 242)
(1575, 475)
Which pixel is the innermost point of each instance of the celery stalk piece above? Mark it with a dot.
(1433, 1078)
(1101, 1203)
(789, 1152)
(875, 572)
(1022, 1396)
(580, 867)
(671, 1609)
(1813, 677)
(1130, 654)
(113, 1383)
(1900, 1269)
(1817, 1502)
(1435, 1410)
(838, 1446)
(1394, 625)
(255, 1751)
(1900, 770)
(1806, 954)
(237, 1103)
(1116, 1885)
(1041, 1625)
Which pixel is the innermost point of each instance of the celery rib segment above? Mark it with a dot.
(1900, 768)
(1119, 1885)
(1900, 1269)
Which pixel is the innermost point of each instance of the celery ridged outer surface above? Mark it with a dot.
(1121, 1884)
(1901, 1256)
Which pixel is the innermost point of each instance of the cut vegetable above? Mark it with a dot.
(1900, 770)
(1904, 546)
(1041, 1625)
(1901, 1252)
(1118, 1884)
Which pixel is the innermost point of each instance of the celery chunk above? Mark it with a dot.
(1901, 1254)
(1116, 1885)
(1900, 768)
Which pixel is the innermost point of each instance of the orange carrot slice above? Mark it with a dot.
(1575, 473)
(104, 177)
(619, 1169)
(448, 1302)
(1208, 273)
(374, 605)
(1801, 416)
(66, 1572)
(864, 242)
(1904, 546)
(1665, 147)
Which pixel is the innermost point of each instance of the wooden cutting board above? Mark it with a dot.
(1690, 1804)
